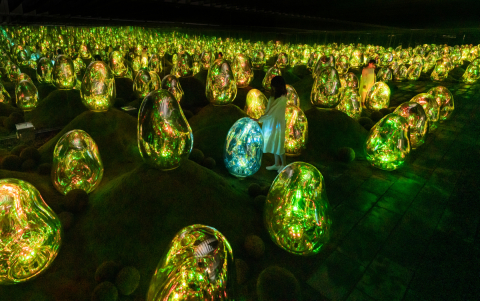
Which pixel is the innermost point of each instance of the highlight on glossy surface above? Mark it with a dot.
(243, 148)
(472, 73)
(444, 98)
(4, 95)
(64, 76)
(165, 138)
(76, 163)
(388, 143)
(142, 84)
(296, 131)
(44, 71)
(255, 104)
(221, 86)
(326, 89)
(297, 212)
(431, 108)
(30, 232)
(350, 103)
(378, 97)
(98, 87)
(195, 267)
(292, 96)
(271, 73)
(27, 95)
(417, 122)
(242, 70)
(172, 84)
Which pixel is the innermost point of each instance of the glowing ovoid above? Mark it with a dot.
(242, 69)
(30, 231)
(378, 97)
(243, 148)
(98, 87)
(76, 163)
(350, 103)
(351, 80)
(255, 104)
(296, 131)
(440, 72)
(44, 71)
(342, 65)
(444, 99)
(400, 73)
(414, 71)
(165, 138)
(27, 95)
(155, 63)
(4, 95)
(356, 58)
(172, 84)
(472, 74)
(205, 59)
(326, 88)
(417, 122)
(78, 65)
(183, 66)
(297, 210)
(195, 267)
(258, 59)
(388, 143)
(117, 64)
(221, 86)
(64, 76)
(271, 73)
(431, 108)
(142, 84)
(282, 60)
(292, 96)
(384, 74)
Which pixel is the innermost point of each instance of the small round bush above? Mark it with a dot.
(16, 117)
(259, 201)
(127, 280)
(254, 189)
(385, 111)
(254, 246)
(18, 149)
(188, 114)
(366, 122)
(9, 124)
(45, 168)
(3, 130)
(105, 291)
(209, 163)
(107, 271)
(376, 116)
(277, 284)
(265, 190)
(346, 154)
(242, 270)
(30, 153)
(66, 218)
(196, 156)
(2, 119)
(76, 200)
(12, 162)
(29, 164)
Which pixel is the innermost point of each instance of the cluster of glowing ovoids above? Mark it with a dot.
(326, 89)
(195, 267)
(165, 138)
(242, 69)
(444, 99)
(30, 231)
(417, 122)
(183, 66)
(76, 163)
(296, 131)
(221, 86)
(297, 210)
(27, 95)
(98, 87)
(118, 65)
(243, 148)
(388, 143)
(430, 106)
(64, 76)
(378, 97)
(255, 104)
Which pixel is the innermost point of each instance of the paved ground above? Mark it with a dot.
(410, 234)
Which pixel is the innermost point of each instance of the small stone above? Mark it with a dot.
(376, 116)
(127, 280)
(18, 149)
(196, 156)
(66, 218)
(16, 117)
(45, 169)
(105, 291)
(107, 271)
(254, 190)
(12, 162)
(9, 124)
(30, 153)
(29, 164)
(76, 200)
(242, 270)
(254, 246)
(277, 284)
(366, 122)
(209, 163)
(346, 154)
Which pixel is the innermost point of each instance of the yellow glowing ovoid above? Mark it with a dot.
(256, 103)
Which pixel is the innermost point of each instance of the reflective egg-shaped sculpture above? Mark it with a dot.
(356, 59)
(378, 97)
(296, 131)
(326, 88)
(350, 103)
(27, 95)
(342, 64)
(155, 63)
(30, 232)
(156, 81)
(440, 72)
(388, 143)
(292, 96)
(172, 84)
(282, 60)
(322, 63)
(414, 71)
(98, 87)
(221, 86)
(384, 74)
(64, 76)
(258, 59)
(444, 99)
(255, 104)
(400, 73)
(142, 85)
(4, 95)
(13, 71)
(242, 69)
(351, 80)
(44, 71)
(78, 65)
(417, 122)
(117, 64)
(76, 163)
(195, 267)
(205, 59)
(271, 73)
(243, 148)
(183, 65)
(165, 138)
(297, 212)
(472, 74)
(23, 76)
(431, 107)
